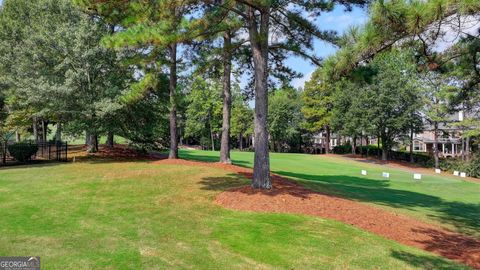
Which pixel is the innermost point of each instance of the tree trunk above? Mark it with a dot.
(361, 145)
(227, 99)
(327, 144)
(35, 129)
(87, 137)
(17, 136)
(240, 142)
(354, 145)
(367, 144)
(110, 139)
(467, 149)
(58, 133)
(435, 145)
(173, 105)
(92, 144)
(411, 146)
(4, 152)
(259, 45)
(384, 148)
(378, 147)
(44, 131)
(384, 152)
(212, 139)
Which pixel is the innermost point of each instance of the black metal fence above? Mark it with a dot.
(47, 151)
(52, 151)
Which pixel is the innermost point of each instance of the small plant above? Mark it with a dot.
(22, 152)
(474, 166)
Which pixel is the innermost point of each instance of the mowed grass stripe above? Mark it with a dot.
(439, 199)
(137, 215)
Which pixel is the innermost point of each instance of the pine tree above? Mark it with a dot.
(297, 34)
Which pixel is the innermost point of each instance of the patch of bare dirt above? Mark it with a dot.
(289, 197)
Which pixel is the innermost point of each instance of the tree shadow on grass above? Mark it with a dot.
(464, 216)
(426, 262)
(452, 245)
(232, 180)
(448, 244)
(206, 158)
(32, 164)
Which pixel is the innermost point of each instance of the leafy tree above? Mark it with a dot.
(437, 91)
(144, 121)
(385, 104)
(242, 119)
(285, 119)
(463, 61)
(221, 25)
(155, 29)
(58, 69)
(204, 111)
(297, 32)
(318, 104)
(162, 24)
(348, 113)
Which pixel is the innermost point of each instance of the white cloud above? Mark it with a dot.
(345, 20)
(453, 29)
(300, 82)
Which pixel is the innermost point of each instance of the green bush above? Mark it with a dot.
(342, 149)
(418, 158)
(473, 169)
(368, 150)
(22, 151)
(453, 164)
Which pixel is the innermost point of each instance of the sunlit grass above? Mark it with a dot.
(137, 215)
(445, 200)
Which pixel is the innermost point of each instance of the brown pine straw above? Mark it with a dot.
(289, 197)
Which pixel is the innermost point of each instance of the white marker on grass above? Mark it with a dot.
(386, 175)
(438, 171)
(364, 172)
(456, 173)
(417, 176)
(463, 175)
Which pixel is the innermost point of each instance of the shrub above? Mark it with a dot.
(473, 169)
(452, 164)
(342, 149)
(370, 150)
(22, 151)
(420, 158)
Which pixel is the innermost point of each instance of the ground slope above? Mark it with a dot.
(138, 215)
(441, 200)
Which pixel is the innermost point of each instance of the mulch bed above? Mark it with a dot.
(289, 197)
(118, 152)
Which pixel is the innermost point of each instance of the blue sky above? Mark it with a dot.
(337, 20)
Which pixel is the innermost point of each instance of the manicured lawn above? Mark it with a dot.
(440, 199)
(137, 215)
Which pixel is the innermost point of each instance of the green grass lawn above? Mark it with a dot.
(440, 199)
(137, 215)
(101, 139)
